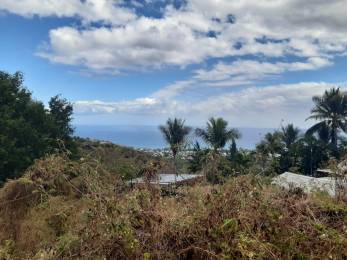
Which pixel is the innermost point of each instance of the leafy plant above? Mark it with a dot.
(217, 134)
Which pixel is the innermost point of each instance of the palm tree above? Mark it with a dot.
(272, 142)
(290, 135)
(324, 134)
(331, 110)
(268, 149)
(217, 134)
(175, 133)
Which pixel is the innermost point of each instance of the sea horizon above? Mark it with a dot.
(149, 136)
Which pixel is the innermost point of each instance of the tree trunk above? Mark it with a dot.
(334, 141)
(175, 164)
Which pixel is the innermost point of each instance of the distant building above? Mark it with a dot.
(165, 180)
(324, 173)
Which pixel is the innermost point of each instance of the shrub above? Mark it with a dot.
(245, 217)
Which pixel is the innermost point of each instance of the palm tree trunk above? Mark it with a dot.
(334, 141)
(334, 137)
(175, 166)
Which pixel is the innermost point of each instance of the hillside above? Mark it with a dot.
(123, 161)
(61, 209)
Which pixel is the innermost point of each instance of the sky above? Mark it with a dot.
(138, 62)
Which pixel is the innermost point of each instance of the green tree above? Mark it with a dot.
(175, 133)
(271, 144)
(313, 154)
(26, 127)
(61, 112)
(290, 135)
(240, 159)
(22, 126)
(217, 134)
(198, 158)
(268, 152)
(331, 111)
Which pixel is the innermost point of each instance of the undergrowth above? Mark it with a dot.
(76, 210)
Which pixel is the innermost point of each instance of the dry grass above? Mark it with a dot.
(77, 211)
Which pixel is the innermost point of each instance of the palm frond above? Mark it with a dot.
(217, 134)
(315, 128)
(175, 133)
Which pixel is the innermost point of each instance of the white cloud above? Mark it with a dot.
(197, 31)
(299, 35)
(174, 89)
(144, 43)
(109, 11)
(243, 72)
(260, 107)
(140, 105)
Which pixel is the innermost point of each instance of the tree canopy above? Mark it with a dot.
(331, 112)
(175, 133)
(27, 129)
(217, 134)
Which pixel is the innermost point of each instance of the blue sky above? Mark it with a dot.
(139, 62)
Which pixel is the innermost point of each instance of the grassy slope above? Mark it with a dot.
(74, 210)
(120, 160)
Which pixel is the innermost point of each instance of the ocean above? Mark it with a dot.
(139, 136)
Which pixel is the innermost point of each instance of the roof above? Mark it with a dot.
(328, 171)
(166, 179)
(307, 183)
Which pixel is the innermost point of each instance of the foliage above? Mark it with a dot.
(286, 150)
(27, 130)
(271, 144)
(61, 112)
(268, 153)
(217, 134)
(313, 154)
(198, 158)
(175, 134)
(241, 160)
(290, 135)
(217, 168)
(243, 218)
(118, 160)
(331, 110)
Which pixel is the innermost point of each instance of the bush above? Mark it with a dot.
(245, 217)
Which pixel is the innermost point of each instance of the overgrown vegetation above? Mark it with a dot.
(286, 149)
(119, 160)
(73, 210)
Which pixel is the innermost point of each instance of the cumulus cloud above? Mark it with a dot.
(108, 11)
(144, 43)
(189, 34)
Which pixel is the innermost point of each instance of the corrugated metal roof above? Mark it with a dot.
(307, 183)
(166, 179)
